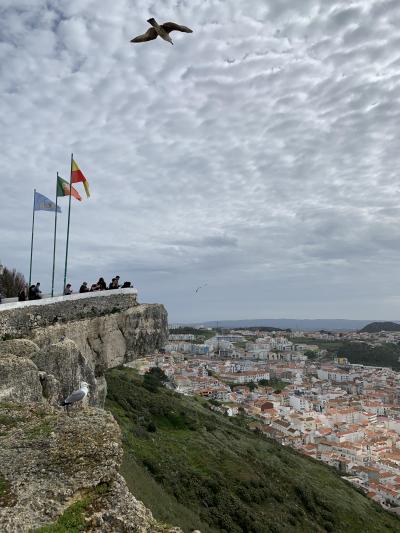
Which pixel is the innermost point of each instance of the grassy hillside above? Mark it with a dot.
(382, 355)
(200, 470)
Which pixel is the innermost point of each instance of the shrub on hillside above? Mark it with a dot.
(154, 378)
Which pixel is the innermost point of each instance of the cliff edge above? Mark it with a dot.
(60, 472)
(48, 348)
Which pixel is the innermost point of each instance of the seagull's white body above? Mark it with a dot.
(160, 31)
(77, 395)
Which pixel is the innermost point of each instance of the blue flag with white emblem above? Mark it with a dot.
(42, 203)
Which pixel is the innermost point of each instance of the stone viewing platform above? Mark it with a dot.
(18, 319)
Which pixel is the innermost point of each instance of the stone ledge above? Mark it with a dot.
(19, 319)
(57, 299)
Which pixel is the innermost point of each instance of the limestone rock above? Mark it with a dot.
(67, 365)
(21, 320)
(50, 461)
(21, 347)
(82, 349)
(19, 380)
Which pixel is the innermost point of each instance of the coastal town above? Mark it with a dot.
(292, 390)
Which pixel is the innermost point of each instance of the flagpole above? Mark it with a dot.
(33, 226)
(69, 216)
(55, 239)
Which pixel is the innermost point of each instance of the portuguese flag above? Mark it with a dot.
(63, 189)
(77, 176)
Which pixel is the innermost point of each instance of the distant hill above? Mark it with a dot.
(263, 328)
(376, 327)
(198, 469)
(291, 323)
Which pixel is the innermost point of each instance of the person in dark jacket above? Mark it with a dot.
(22, 295)
(127, 285)
(84, 287)
(38, 292)
(32, 293)
(102, 284)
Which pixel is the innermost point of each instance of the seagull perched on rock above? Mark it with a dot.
(162, 30)
(76, 396)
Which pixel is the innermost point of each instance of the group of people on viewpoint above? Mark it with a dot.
(101, 285)
(34, 292)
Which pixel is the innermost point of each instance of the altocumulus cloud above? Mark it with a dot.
(259, 154)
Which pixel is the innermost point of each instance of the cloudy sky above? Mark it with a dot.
(259, 155)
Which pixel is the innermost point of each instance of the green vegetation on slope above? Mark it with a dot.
(383, 355)
(199, 470)
(200, 334)
(359, 352)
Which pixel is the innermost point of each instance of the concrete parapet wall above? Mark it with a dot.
(19, 319)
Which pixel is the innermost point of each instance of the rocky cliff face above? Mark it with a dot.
(63, 470)
(60, 469)
(73, 344)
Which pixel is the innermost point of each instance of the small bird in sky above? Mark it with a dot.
(162, 30)
(200, 287)
(76, 396)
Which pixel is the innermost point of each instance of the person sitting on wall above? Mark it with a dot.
(102, 284)
(22, 295)
(94, 287)
(127, 285)
(111, 285)
(32, 293)
(84, 287)
(114, 284)
(38, 292)
(68, 289)
(117, 278)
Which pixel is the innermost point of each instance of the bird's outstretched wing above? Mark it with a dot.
(200, 287)
(148, 36)
(171, 26)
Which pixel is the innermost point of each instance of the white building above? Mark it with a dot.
(299, 403)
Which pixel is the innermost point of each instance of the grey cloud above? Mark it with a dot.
(258, 154)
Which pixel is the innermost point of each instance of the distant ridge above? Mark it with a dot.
(338, 324)
(376, 327)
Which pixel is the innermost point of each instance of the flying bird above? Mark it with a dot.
(76, 396)
(200, 287)
(162, 30)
